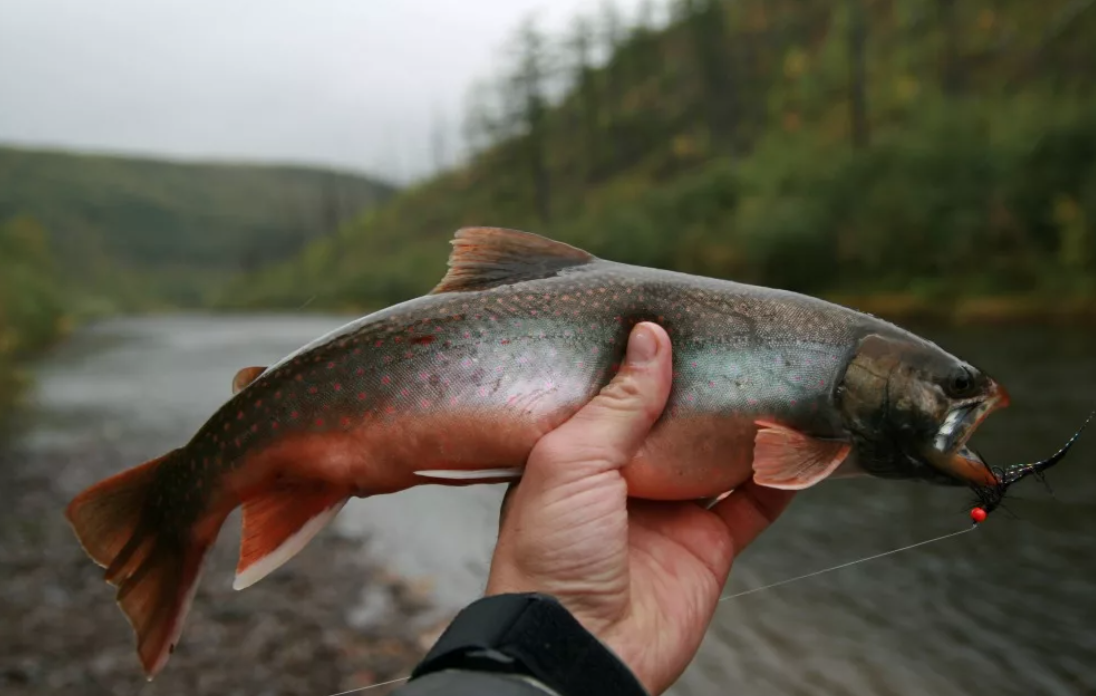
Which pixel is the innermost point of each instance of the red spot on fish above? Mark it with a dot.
(331, 365)
(294, 415)
(390, 410)
(319, 422)
(258, 403)
(255, 428)
(386, 380)
(277, 395)
(693, 363)
(357, 351)
(711, 384)
(337, 386)
(505, 342)
(361, 396)
(274, 425)
(344, 422)
(423, 340)
(378, 343)
(405, 392)
(240, 415)
(424, 403)
(312, 390)
(691, 397)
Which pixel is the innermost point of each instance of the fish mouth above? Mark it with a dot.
(951, 453)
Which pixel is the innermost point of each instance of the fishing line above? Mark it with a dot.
(371, 686)
(746, 592)
(846, 565)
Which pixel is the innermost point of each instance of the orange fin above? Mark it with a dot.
(155, 568)
(788, 459)
(245, 377)
(489, 257)
(278, 523)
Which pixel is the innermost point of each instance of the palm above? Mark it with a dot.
(642, 576)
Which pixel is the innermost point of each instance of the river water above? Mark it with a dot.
(1007, 609)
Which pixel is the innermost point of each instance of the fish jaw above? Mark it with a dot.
(950, 453)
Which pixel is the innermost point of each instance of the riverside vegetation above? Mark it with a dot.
(906, 156)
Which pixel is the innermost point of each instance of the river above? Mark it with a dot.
(1007, 609)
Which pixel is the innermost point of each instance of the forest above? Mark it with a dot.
(133, 234)
(912, 156)
(83, 236)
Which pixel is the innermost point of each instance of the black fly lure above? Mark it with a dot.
(990, 497)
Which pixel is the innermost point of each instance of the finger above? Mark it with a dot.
(607, 432)
(749, 510)
(504, 508)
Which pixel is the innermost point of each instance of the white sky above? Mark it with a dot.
(350, 83)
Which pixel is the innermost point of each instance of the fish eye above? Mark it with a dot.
(960, 382)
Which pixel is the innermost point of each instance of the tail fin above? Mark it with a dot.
(154, 566)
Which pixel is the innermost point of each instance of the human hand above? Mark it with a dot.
(642, 576)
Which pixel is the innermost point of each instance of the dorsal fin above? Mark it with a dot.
(488, 257)
(245, 377)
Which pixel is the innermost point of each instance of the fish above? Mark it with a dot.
(457, 386)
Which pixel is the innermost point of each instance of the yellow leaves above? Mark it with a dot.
(791, 121)
(987, 18)
(685, 146)
(795, 63)
(906, 89)
(1073, 231)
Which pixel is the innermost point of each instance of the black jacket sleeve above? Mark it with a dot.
(520, 645)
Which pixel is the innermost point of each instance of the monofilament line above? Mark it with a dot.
(746, 592)
(846, 565)
(371, 686)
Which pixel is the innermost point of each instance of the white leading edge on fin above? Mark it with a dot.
(288, 549)
(470, 474)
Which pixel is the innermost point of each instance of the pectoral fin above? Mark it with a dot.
(788, 459)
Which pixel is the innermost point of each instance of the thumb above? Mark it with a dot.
(607, 432)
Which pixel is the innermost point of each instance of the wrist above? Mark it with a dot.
(531, 635)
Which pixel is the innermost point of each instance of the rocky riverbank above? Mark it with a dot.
(329, 621)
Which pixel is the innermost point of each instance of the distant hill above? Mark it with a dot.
(928, 150)
(138, 232)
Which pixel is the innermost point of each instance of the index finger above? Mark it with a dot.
(750, 510)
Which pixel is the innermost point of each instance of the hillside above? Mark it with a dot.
(926, 152)
(134, 233)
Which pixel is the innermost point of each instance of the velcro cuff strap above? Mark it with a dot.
(531, 634)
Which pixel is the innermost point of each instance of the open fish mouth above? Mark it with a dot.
(950, 443)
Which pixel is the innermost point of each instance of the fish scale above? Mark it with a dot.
(457, 387)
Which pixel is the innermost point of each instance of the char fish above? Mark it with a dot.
(457, 386)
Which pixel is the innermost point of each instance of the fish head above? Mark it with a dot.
(912, 407)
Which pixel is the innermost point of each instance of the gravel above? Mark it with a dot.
(328, 621)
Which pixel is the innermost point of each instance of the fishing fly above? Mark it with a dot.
(991, 496)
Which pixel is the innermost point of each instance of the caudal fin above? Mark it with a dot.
(154, 566)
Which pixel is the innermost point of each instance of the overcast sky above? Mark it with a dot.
(351, 83)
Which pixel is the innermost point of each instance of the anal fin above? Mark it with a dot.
(279, 522)
(786, 458)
